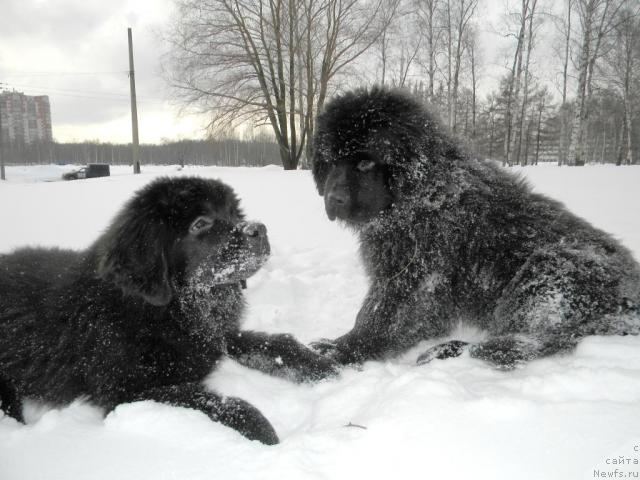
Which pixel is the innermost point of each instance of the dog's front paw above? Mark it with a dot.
(450, 349)
(340, 351)
(301, 363)
(319, 367)
(325, 347)
(505, 353)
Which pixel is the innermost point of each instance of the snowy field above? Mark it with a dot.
(563, 418)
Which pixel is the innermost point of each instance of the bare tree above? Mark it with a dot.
(457, 21)
(597, 20)
(390, 36)
(540, 108)
(2, 168)
(513, 87)
(489, 116)
(409, 45)
(566, 30)
(267, 61)
(624, 65)
(427, 14)
(531, 26)
(471, 41)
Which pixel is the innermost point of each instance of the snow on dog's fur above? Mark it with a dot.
(445, 236)
(146, 311)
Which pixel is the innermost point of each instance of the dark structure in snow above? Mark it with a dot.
(146, 312)
(446, 237)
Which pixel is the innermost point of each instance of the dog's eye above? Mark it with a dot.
(366, 165)
(200, 224)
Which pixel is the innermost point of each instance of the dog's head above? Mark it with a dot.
(176, 232)
(375, 149)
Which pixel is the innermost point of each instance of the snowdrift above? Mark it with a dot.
(571, 417)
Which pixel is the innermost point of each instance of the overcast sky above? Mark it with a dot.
(75, 51)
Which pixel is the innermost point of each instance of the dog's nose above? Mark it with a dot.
(337, 203)
(254, 230)
(338, 197)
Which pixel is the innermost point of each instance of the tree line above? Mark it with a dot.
(255, 152)
(275, 62)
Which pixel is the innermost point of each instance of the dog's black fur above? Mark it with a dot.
(445, 237)
(145, 312)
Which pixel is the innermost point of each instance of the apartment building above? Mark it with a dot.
(24, 119)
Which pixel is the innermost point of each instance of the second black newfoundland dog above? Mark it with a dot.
(146, 312)
(445, 237)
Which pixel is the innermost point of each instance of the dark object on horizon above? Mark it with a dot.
(146, 311)
(445, 237)
(92, 170)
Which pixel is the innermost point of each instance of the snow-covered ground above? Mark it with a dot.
(572, 417)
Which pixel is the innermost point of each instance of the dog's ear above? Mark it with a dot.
(133, 252)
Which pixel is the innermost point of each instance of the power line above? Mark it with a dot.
(54, 74)
(81, 93)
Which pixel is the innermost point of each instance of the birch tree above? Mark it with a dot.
(597, 20)
(530, 36)
(565, 27)
(624, 65)
(513, 85)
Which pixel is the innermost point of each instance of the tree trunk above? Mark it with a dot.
(431, 67)
(513, 91)
(540, 109)
(474, 87)
(449, 32)
(565, 68)
(602, 144)
(620, 143)
(574, 156)
(627, 96)
(588, 56)
(525, 96)
(629, 129)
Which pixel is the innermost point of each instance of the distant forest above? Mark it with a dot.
(543, 139)
(227, 152)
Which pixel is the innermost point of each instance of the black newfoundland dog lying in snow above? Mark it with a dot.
(146, 312)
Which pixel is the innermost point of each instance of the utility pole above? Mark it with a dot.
(2, 175)
(134, 108)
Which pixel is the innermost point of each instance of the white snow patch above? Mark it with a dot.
(557, 418)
